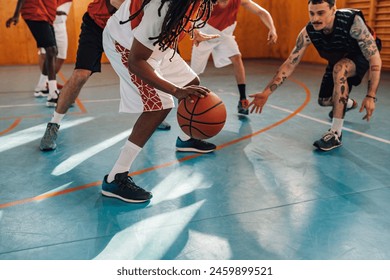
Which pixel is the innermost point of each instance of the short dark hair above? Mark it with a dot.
(330, 2)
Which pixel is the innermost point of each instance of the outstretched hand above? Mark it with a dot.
(200, 37)
(258, 102)
(369, 105)
(189, 92)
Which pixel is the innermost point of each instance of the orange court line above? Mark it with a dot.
(20, 118)
(145, 170)
(12, 126)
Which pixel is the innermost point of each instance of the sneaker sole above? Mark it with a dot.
(112, 195)
(39, 94)
(47, 149)
(51, 104)
(194, 150)
(328, 149)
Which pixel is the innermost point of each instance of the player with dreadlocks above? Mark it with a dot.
(140, 40)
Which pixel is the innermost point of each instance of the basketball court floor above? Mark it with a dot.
(264, 194)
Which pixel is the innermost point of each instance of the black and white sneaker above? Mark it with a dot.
(41, 92)
(329, 141)
(52, 101)
(124, 188)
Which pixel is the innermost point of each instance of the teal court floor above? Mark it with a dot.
(264, 194)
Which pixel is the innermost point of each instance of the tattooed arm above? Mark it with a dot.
(367, 44)
(285, 70)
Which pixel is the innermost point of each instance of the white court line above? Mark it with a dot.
(327, 123)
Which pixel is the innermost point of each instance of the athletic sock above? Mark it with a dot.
(337, 125)
(126, 157)
(53, 88)
(349, 103)
(57, 118)
(242, 91)
(184, 137)
(42, 83)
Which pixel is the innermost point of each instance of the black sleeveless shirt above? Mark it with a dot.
(338, 44)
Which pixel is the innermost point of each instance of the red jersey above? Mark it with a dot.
(98, 11)
(39, 10)
(224, 17)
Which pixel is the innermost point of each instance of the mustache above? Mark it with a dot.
(316, 22)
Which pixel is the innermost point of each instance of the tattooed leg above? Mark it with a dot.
(344, 69)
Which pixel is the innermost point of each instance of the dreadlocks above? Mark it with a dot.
(180, 13)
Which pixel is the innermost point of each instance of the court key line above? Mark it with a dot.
(167, 164)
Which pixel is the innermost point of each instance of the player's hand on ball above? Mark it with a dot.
(192, 90)
(258, 102)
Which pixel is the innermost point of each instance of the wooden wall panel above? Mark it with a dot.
(18, 46)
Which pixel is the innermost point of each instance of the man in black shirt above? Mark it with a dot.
(343, 39)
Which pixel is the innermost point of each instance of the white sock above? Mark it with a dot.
(52, 88)
(43, 79)
(128, 154)
(184, 137)
(349, 103)
(337, 125)
(57, 118)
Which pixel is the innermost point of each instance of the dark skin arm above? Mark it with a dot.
(139, 54)
(15, 19)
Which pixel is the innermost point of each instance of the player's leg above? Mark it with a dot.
(343, 70)
(88, 58)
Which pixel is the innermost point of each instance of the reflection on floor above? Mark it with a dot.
(266, 193)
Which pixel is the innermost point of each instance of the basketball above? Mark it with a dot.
(202, 119)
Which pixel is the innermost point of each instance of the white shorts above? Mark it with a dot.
(136, 96)
(60, 31)
(221, 48)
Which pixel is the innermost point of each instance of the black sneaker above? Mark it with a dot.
(329, 141)
(164, 126)
(194, 145)
(354, 106)
(48, 141)
(52, 101)
(124, 188)
(242, 107)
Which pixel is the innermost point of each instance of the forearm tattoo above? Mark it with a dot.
(277, 81)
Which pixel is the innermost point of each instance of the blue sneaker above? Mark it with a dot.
(194, 145)
(124, 188)
(329, 141)
(164, 126)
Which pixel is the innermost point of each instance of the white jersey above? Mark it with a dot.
(125, 33)
(136, 95)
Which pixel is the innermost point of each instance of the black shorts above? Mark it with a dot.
(43, 33)
(327, 84)
(90, 49)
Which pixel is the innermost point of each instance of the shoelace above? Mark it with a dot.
(129, 183)
(52, 131)
(329, 135)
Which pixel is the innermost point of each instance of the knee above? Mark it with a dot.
(81, 75)
(324, 102)
(236, 58)
(51, 51)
